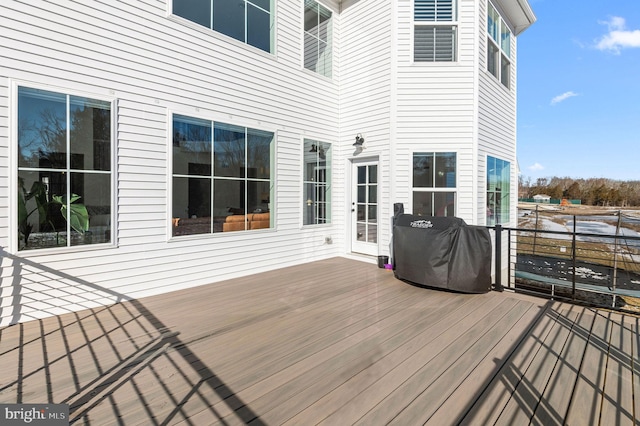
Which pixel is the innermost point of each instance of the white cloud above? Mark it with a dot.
(536, 167)
(563, 97)
(618, 37)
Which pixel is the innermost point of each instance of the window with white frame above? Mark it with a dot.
(434, 183)
(498, 46)
(317, 182)
(222, 177)
(435, 31)
(250, 21)
(317, 38)
(498, 191)
(64, 170)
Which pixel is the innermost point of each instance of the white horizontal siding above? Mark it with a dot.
(435, 106)
(153, 65)
(496, 120)
(365, 95)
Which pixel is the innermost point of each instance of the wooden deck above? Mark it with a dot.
(335, 342)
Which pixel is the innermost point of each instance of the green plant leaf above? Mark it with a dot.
(79, 217)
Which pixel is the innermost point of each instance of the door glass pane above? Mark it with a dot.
(373, 214)
(373, 174)
(372, 234)
(361, 212)
(362, 194)
(373, 193)
(361, 232)
(362, 174)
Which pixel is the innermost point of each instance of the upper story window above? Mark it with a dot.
(434, 183)
(498, 47)
(435, 31)
(250, 21)
(498, 190)
(317, 38)
(222, 177)
(317, 182)
(64, 170)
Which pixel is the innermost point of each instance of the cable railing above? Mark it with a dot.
(600, 269)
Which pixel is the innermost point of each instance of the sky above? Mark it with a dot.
(578, 89)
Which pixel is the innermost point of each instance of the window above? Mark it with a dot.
(434, 183)
(317, 38)
(498, 191)
(222, 177)
(317, 182)
(250, 21)
(64, 170)
(435, 31)
(498, 47)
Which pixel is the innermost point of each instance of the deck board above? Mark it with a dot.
(331, 342)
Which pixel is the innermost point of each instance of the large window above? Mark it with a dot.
(250, 21)
(498, 47)
(435, 31)
(317, 38)
(317, 182)
(434, 183)
(498, 191)
(64, 170)
(222, 177)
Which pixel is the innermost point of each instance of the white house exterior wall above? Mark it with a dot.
(153, 65)
(366, 87)
(435, 106)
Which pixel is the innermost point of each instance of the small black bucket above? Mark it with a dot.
(382, 260)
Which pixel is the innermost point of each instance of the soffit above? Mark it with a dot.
(517, 13)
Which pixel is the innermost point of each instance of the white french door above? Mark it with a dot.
(364, 207)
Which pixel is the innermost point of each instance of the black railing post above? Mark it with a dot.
(573, 255)
(498, 238)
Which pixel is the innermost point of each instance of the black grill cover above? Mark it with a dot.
(442, 252)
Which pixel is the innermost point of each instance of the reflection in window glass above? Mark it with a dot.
(498, 47)
(317, 182)
(250, 21)
(219, 171)
(434, 183)
(64, 171)
(317, 38)
(498, 191)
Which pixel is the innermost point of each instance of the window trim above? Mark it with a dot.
(501, 24)
(330, 43)
(455, 23)
(329, 183)
(227, 38)
(13, 169)
(222, 119)
(434, 189)
(486, 192)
